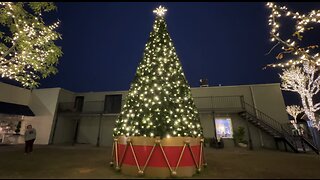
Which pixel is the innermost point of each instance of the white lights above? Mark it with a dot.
(159, 102)
(301, 72)
(160, 11)
(306, 82)
(29, 53)
(294, 111)
(302, 21)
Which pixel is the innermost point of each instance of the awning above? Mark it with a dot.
(15, 109)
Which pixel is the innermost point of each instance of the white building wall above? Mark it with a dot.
(14, 94)
(207, 122)
(66, 96)
(107, 126)
(88, 130)
(43, 103)
(63, 129)
(89, 125)
(266, 97)
(243, 90)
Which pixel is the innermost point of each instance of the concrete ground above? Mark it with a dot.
(92, 162)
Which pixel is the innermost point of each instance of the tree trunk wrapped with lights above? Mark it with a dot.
(301, 67)
(158, 132)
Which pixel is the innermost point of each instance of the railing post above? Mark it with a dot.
(302, 144)
(211, 98)
(242, 102)
(99, 129)
(75, 136)
(249, 136)
(215, 127)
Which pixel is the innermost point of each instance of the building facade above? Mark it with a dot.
(65, 117)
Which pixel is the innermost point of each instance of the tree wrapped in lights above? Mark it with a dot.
(301, 68)
(292, 46)
(158, 132)
(159, 102)
(304, 82)
(294, 111)
(27, 49)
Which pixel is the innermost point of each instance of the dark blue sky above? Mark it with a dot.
(103, 42)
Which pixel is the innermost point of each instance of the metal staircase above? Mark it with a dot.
(281, 132)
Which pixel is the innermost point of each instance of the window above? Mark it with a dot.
(78, 103)
(112, 103)
(223, 127)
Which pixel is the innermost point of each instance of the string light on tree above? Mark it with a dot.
(292, 46)
(301, 72)
(304, 82)
(159, 101)
(294, 111)
(28, 52)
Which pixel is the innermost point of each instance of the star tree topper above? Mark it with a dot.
(160, 11)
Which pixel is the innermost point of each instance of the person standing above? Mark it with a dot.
(29, 138)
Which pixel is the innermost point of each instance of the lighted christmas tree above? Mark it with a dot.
(159, 101)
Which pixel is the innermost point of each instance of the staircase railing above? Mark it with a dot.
(272, 123)
(263, 117)
(283, 130)
(305, 139)
(238, 103)
(311, 145)
(288, 135)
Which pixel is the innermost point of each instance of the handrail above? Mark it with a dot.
(289, 136)
(282, 129)
(270, 121)
(210, 102)
(277, 126)
(88, 106)
(311, 145)
(195, 97)
(202, 102)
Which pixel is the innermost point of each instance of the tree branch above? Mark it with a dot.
(272, 48)
(287, 89)
(8, 51)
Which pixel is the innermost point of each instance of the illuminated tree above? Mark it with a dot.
(306, 82)
(159, 101)
(301, 67)
(294, 111)
(27, 49)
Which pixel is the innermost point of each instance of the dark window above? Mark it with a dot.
(112, 103)
(78, 103)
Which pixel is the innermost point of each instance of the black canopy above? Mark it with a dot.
(15, 109)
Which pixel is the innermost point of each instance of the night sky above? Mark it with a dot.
(103, 42)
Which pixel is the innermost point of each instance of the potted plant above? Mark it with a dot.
(239, 137)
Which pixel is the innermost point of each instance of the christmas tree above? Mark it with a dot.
(159, 101)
